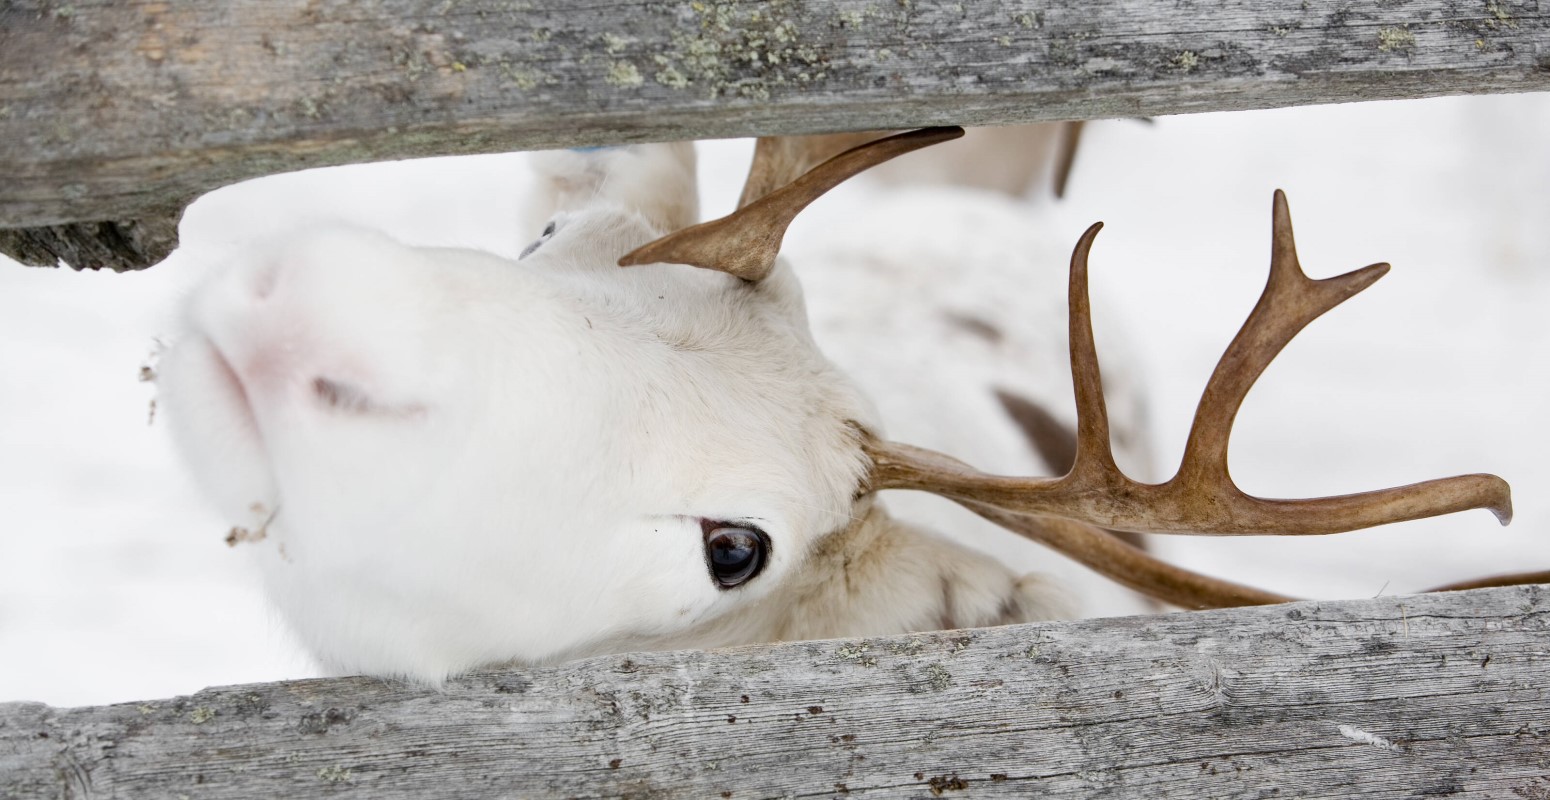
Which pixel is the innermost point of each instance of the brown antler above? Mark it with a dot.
(1201, 498)
(1127, 565)
(745, 242)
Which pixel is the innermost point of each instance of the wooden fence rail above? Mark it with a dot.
(1395, 697)
(114, 115)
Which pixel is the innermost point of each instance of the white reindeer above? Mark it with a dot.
(447, 459)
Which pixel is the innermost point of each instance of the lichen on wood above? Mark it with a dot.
(143, 106)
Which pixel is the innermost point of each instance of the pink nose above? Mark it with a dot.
(267, 368)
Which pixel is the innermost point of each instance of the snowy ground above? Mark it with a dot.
(115, 584)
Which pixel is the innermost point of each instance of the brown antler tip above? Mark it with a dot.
(1500, 503)
(939, 133)
(636, 257)
(1464, 492)
(646, 254)
(1281, 212)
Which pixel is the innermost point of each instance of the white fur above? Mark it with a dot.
(461, 460)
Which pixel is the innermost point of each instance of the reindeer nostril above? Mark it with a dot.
(350, 399)
(340, 395)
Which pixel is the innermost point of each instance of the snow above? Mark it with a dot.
(115, 584)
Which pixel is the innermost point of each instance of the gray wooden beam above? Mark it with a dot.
(1395, 697)
(114, 115)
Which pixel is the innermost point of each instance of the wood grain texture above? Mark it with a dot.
(1403, 697)
(122, 112)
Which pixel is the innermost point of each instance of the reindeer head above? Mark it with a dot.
(452, 459)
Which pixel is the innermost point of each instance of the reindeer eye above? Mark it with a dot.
(734, 553)
(542, 237)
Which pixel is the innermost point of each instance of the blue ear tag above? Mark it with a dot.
(594, 149)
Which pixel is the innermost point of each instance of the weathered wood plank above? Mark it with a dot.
(1384, 698)
(121, 112)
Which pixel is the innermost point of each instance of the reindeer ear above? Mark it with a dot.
(881, 575)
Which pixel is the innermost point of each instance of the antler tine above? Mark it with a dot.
(746, 242)
(1201, 498)
(1289, 302)
(1094, 453)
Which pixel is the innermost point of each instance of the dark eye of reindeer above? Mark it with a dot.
(734, 552)
(542, 237)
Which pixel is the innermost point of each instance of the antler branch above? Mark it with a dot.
(746, 242)
(1201, 498)
(1129, 566)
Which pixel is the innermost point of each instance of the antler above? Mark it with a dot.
(745, 242)
(1130, 566)
(1201, 498)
